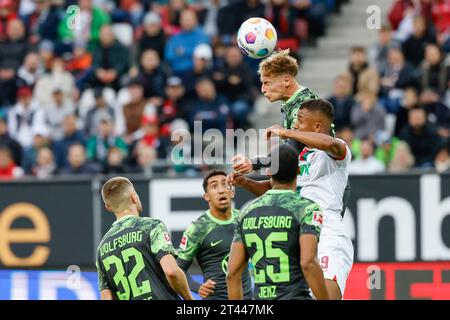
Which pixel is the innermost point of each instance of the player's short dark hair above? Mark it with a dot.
(320, 105)
(114, 191)
(287, 163)
(211, 174)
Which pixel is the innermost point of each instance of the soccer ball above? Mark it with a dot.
(257, 38)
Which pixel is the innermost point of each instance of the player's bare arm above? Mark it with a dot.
(107, 294)
(175, 276)
(311, 269)
(258, 188)
(316, 140)
(236, 265)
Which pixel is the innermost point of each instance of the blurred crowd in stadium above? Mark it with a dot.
(101, 90)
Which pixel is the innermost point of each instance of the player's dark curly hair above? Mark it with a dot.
(211, 174)
(320, 105)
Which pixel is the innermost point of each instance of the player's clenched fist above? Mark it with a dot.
(206, 289)
(236, 179)
(242, 164)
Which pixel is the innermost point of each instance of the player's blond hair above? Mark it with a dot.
(279, 63)
(116, 193)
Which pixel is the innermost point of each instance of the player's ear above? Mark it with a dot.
(206, 197)
(133, 197)
(108, 208)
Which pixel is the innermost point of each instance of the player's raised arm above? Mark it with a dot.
(258, 188)
(312, 128)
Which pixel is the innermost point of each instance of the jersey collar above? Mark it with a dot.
(123, 218)
(218, 221)
(294, 96)
(278, 191)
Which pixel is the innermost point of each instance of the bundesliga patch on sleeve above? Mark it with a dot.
(167, 238)
(317, 218)
(183, 243)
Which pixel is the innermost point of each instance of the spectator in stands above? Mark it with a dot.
(174, 106)
(441, 15)
(58, 77)
(6, 141)
(92, 19)
(146, 157)
(403, 160)
(171, 16)
(26, 117)
(98, 145)
(283, 16)
(80, 66)
(46, 50)
(152, 76)
(367, 163)
(378, 53)
(180, 48)
(421, 137)
(410, 100)
(110, 61)
(209, 108)
(153, 36)
(202, 67)
(442, 159)
(398, 75)
(45, 166)
(342, 101)
(438, 113)
(56, 113)
(364, 77)
(42, 24)
(71, 136)
(8, 169)
(386, 147)
(434, 73)
(414, 47)
(314, 12)
(367, 115)
(77, 162)
(135, 110)
(40, 140)
(115, 162)
(234, 82)
(15, 47)
(99, 111)
(211, 13)
(7, 14)
(31, 69)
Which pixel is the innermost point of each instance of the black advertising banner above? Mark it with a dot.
(46, 224)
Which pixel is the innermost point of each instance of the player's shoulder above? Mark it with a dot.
(200, 225)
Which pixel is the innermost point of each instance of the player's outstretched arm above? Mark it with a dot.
(334, 147)
(236, 265)
(176, 276)
(258, 188)
(311, 269)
